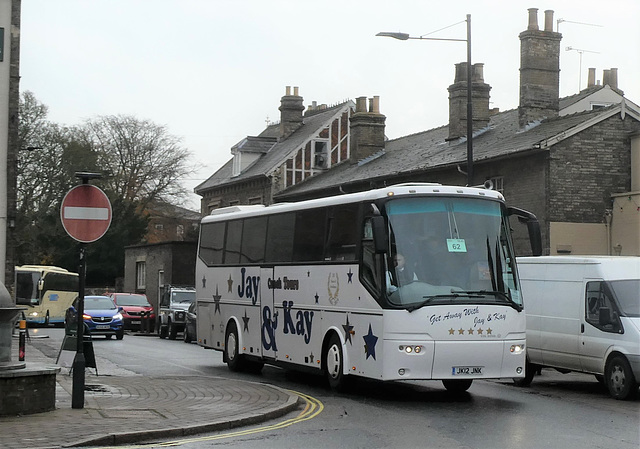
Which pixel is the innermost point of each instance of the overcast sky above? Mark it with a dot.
(213, 71)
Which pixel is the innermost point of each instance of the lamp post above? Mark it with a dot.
(404, 37)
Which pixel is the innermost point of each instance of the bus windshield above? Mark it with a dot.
(449, 250)
(27, 288)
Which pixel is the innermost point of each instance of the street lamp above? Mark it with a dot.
(404, 37)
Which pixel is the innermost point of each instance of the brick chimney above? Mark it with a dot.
(367, 129)
(539, 70)
(291, 109)
(458, 100)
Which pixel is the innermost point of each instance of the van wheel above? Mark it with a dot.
(235, 360)
(529, 371)
(619, 378)
(457, 386)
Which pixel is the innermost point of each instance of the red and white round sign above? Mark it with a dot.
(85, 213)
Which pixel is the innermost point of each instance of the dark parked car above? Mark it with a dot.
(101, 317)
(136, 308)
(190, 323)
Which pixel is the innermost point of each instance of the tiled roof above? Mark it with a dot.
(429, 149)
(279, 151)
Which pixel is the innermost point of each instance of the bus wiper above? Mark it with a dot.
(497, 294)
(453, 294)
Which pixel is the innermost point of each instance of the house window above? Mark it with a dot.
(141, 275)
(320, 154)
(180, 229)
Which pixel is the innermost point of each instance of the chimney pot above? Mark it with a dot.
(591, 80)
(295, 91)
(548, 20)
(614, 78)
(288, 91)
(376, 104)
(533, 19)
(361, 104)
(478, 73)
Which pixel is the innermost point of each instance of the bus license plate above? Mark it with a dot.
(102, 326)
(466, 370)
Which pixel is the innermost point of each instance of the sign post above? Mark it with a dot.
(86, 215)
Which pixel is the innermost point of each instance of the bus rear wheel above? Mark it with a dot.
(234, 359)
(457, 386)
(333, 364)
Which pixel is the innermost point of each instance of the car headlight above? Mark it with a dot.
(117, 316)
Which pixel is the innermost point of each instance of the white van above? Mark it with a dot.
(583, 314)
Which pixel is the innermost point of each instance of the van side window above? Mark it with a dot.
(601, 311)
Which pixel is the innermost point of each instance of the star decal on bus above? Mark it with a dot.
(460, 331)
(348, 331)
(370, 341)
(451, 331)
(216, 300)
(489, 331)
(245, 320)
(230, 283)
(479, 331)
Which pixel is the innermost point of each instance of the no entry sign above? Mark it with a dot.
(85, 213)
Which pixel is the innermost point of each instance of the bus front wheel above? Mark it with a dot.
(334, 362)
(457, 386)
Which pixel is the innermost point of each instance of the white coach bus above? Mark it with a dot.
(408, 282)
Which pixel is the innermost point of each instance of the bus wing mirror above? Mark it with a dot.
(380, 240)
(40, 284)
(533, 227)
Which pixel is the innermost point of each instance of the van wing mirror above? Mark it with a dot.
(533, 226)
(380, 239)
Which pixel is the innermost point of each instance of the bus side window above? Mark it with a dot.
(280, 231)
(370, 271)
(212, 243)
(342, 234)
(308, 241)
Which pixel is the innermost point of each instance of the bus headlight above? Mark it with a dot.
(516, 349)
(409, 349)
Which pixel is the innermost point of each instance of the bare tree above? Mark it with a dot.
(144, 161)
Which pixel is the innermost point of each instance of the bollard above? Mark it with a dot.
(22, 340)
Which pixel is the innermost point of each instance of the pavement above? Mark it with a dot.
(121, 408)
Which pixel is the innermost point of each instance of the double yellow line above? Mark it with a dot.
(313, 407)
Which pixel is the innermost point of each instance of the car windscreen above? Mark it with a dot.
(184, 297)
(132, 300)
(98, 303)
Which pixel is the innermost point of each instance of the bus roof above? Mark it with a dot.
(407, 189)
(47, 268)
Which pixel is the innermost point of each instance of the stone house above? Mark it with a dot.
(286, 154)
(574, 162)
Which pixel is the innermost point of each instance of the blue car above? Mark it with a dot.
(101, 317)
